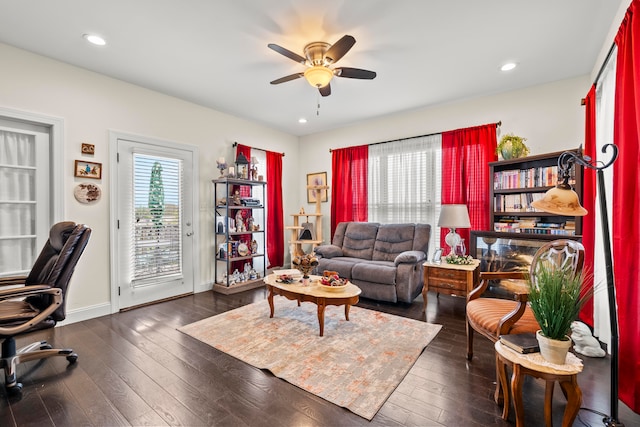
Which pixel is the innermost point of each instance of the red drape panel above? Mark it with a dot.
(349, 168)
(275, 215)
(626, 203)
(466, 154)
(589, 199)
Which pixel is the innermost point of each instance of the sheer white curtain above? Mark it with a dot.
(17, 201)
(404, 182)
(605, 94)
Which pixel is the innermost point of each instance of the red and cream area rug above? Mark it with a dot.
(356, 365)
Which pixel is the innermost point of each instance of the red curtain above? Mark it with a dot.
(626, 203)
(275, 216)
(466, 154)
(349, 168)
(589, 199)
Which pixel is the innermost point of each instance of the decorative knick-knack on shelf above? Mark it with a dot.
(512, 147)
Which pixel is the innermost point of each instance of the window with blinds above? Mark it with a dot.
(157, 234)
(404, 182)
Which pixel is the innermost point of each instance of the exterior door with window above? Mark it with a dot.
(155, 222)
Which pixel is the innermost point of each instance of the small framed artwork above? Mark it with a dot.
(437, 255)
(88, 148)
(91, 170)
(316, 179)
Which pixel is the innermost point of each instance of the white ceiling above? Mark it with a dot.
(214, 53)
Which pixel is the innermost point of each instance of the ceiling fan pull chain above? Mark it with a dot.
(318, 105)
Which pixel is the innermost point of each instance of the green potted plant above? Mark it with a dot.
(556, 296)
(512, 147)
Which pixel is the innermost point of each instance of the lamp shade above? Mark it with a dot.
(454, 216)
(560, 200)
(318, 76)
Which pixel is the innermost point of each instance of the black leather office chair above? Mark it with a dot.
(38, 302)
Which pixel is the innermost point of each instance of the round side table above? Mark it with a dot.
(534, 365)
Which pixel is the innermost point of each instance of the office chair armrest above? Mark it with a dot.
(56, 300)
(24, 291)
(13, 280)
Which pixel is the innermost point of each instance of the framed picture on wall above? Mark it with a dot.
(91, 170)
(316, 179)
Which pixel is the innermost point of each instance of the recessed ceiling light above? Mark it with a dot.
(94, 39)
(508, 66)
(302, 120)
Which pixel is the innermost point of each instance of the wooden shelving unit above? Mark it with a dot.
(296, 245)
(515, 184)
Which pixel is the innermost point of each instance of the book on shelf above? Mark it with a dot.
(522, 343)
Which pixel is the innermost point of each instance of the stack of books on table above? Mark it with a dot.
(522, 343)
(293, 272)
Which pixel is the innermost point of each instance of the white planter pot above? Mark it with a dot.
(554, 351)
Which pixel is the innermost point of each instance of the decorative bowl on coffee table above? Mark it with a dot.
(333, 283)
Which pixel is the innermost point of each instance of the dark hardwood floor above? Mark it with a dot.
(135, 368)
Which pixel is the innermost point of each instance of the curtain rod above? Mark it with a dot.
(419, 136)
(235, 144)
(602, 67)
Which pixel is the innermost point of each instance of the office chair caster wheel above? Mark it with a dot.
(14, 389)
(72, 358)
(45, 347)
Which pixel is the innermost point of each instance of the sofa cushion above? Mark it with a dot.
(382, 272)
(359, 239)
(343, 265)
(392, 240)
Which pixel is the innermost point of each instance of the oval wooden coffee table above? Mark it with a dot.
(315, 293)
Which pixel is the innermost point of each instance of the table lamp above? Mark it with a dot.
(452, 217)
(562, 200)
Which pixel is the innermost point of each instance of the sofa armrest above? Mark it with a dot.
(328, 251)
(410, 257)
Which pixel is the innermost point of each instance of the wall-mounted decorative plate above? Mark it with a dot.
(87, 193)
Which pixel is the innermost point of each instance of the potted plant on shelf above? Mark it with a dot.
(556, 296)
(512, 147)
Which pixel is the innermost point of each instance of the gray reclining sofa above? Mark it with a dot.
(384, 260)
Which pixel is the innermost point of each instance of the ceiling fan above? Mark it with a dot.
(319, 57)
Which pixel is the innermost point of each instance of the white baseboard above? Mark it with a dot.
(203, 287)
(86, 313)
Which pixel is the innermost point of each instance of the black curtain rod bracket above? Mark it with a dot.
(235, 144)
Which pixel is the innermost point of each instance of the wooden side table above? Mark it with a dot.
(450, 279)
(532, 364)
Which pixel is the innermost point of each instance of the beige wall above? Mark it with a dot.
(90, 105)
(549, 116)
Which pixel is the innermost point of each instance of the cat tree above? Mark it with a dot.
(309, 232)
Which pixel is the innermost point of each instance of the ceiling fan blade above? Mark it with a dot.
(355, 73)
(325, 91)
(339, 49)
(287, 78)
(287, 53)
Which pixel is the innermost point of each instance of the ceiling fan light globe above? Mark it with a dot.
(318, 76)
